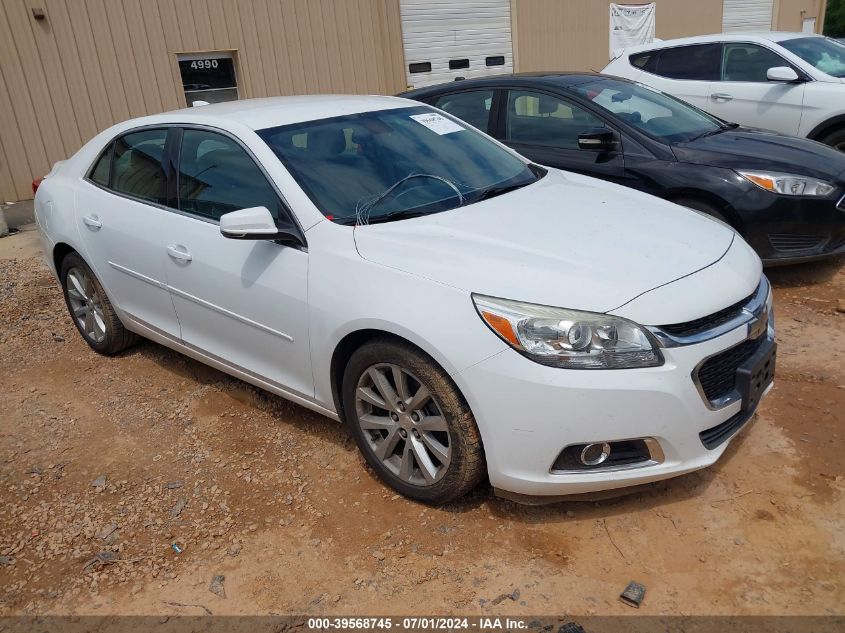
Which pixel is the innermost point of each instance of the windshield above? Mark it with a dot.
(825, 54)
(408, 161)
(649, 110)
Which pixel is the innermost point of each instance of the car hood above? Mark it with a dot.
(566, 240)
(744, 148)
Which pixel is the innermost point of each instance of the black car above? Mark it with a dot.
(785, 195)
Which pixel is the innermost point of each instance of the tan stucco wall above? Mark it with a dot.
(92, 63)
(789, 14)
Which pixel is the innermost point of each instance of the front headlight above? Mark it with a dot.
(569, 338)
(788, 184)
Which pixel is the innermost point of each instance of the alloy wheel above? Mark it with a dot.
(85, 304)
(403, 424)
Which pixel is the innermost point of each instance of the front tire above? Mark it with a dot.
(411, 423)
(835, 139)
(91, 310)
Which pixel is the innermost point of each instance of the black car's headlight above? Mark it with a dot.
(788, 184)
(569, 338)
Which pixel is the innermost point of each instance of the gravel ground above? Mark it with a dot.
(108, 466)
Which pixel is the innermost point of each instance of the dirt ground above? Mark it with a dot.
(134, 453)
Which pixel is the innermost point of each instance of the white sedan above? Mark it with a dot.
(792, 83)
(465, 312)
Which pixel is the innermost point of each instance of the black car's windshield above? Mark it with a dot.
(649, 110)
(390, 164)
(825, 54)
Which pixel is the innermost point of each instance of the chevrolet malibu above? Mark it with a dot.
(465, 312)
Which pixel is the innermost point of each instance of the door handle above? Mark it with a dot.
(179, 253)
(721, 96)
(92, 222)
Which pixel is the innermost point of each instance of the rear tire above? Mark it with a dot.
(90, 308)
(835, 139)
(411, 423)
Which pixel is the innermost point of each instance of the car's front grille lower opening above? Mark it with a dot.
(717, 375)
(788, 243)
(721, 433)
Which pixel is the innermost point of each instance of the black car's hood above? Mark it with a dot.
(744, 148)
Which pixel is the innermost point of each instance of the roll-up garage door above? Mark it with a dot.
(464, 38)
(746, 15)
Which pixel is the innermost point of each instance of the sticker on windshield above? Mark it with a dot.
(437, 123)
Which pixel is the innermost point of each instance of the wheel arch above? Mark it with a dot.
(356, 339)
(721, 205)
(60, 251)
(826, 127)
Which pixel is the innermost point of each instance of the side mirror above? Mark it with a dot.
(600, 138)
(782, 73)
(255, 223)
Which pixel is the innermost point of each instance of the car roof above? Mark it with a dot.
(269, 112)
(557, 78)
(751, 36)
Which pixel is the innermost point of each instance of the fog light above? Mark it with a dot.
(608, 456)
(595, 454)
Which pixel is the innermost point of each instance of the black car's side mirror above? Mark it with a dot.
(597, 139)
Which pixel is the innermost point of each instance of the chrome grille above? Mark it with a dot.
(708, 322)
(714, 324)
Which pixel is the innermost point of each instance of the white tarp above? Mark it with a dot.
(631, 24)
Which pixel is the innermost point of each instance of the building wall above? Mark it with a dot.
(92, 63)
(573, 34)
(789, 14)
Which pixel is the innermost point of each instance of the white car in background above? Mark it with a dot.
(792, 83)
(464, 311)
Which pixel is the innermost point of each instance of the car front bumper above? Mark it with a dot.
(785, 229)
(528, 413)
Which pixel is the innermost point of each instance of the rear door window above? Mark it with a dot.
(697, 62)
(137, 168)
(473, 107)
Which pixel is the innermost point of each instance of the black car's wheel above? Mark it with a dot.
(411, 423)
(835, 139)
(91, 310)
(704, 207)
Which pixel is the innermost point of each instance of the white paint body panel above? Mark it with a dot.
(273, 315)
(796, 109)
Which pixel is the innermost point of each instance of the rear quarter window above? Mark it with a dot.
(646, 61)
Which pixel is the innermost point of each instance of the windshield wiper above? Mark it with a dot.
(399, 215)
(722, 127)
(498, 190)
(492, 192)
(363, 209)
